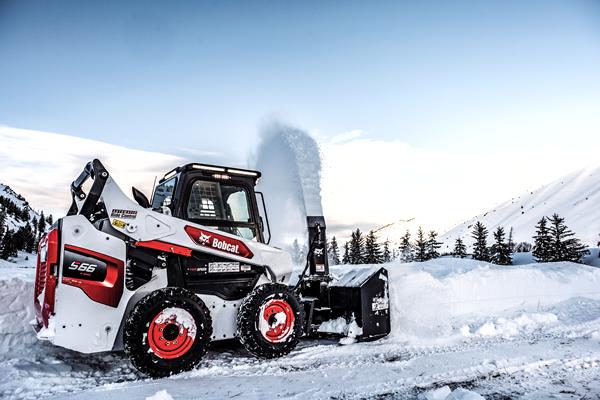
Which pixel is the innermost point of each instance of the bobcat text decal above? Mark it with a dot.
(218, 242)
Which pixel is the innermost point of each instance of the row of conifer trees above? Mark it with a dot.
(26, 237)
(553, 241)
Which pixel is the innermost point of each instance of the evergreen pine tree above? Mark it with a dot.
(346, 256)
(334, 252)
(541, 245)
(511, 243)
(50, 220)
(30, 239)
(9, 246)
(387, 254)
(406, 249)
(480, 249)
(433, 246)
(42, 223)
(420, 246)
(373, 253)
(460, 250)
(563, 245)
(2, 222)
(500, 252)
(357, 247)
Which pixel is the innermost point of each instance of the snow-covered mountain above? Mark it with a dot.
(576, 197)
(395, 230)
(13, 220)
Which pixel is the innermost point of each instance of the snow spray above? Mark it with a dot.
(290, 162)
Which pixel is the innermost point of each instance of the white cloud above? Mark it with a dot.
(365, 182)
(343, 137)
(42, 165)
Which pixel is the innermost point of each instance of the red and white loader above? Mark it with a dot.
(162, 279)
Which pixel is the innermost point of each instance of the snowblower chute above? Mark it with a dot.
(161, 279)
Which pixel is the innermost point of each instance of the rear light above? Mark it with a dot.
(45, 278)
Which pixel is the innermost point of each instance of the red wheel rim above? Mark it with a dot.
(171, 333)
(276, 320)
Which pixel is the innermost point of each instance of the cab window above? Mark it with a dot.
(163, 191)
(221, 206)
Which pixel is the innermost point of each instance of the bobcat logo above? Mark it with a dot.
(318, 252)
(204, 238)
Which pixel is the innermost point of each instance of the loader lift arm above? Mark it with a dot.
(86, 204)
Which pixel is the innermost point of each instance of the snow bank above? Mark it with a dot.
(445, 393)
(16, 297)
(341, 327)
(508, 327)
(160, 395)
(434, 299)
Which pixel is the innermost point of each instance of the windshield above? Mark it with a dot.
(221, 206)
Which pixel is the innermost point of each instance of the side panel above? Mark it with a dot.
(81, 322)
(100, 276)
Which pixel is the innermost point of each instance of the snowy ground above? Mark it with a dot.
(530, 332)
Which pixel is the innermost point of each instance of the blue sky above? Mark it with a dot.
(203, 75)
(488, 94)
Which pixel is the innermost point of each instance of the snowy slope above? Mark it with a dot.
(576, 197)
(530, 331)
(12, 222)
(395, 230)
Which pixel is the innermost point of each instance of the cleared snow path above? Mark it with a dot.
(516, 332)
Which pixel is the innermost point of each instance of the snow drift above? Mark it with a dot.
(440, 298)
(440, 302)
(429, 301)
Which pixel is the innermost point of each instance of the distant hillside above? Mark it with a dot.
(395, 230)
(576, 197)
(20, 226)
(14, 219)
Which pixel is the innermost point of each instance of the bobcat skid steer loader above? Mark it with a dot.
(163, 279)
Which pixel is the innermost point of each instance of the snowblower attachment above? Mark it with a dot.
(357, 294)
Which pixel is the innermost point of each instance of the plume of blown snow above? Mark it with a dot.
(290, 162)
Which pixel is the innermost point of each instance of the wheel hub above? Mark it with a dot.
(276, 320)
(171, 333)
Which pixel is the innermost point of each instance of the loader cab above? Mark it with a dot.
(217, 197)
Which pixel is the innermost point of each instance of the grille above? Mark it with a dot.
(40, 279)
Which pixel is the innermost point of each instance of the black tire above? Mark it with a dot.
(259, 343)
(180, 349)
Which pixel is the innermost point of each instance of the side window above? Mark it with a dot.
(237, 204)
(163, 191)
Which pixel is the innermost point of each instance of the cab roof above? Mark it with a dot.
(211, 170)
